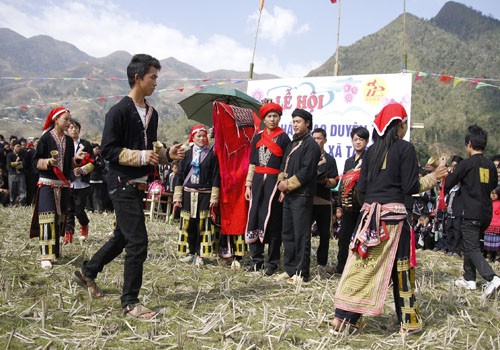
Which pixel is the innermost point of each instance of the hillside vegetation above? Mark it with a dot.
(459, 41)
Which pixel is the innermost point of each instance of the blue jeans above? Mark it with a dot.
(130, 234)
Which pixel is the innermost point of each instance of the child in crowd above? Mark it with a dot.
(423, 233)
(337, 222)
(492, 233)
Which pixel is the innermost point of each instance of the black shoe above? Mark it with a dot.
(270, 270)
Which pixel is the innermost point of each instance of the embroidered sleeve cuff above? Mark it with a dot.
(177, 194)
(214, 196)
(251, 172)
(281, 176)
(293, 183)
(87, 168)
(427, 182)
(130, 157)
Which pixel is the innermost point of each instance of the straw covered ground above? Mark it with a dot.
(213, 307)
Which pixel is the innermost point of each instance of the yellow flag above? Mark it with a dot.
(261, 5)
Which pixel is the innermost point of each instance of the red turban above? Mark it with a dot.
(390, 112)
(270, 107)
(53, 115)
(196, 129)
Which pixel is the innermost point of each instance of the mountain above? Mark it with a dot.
(458, 41)
(41, 56)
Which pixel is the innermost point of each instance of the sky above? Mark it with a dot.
(294, 36)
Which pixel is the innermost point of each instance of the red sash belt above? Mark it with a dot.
(266, 170)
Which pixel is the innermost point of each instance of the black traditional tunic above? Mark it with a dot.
(195, 231)
(51, 203)
(264, 188)
(299, 166)
(381, 246)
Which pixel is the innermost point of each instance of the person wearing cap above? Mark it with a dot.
(381, 247)
(54, 159)
(130, 129)
(297, 184)
(80, 186)
(196, 192)
(265, 211)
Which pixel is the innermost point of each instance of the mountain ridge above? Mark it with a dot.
(458, 41)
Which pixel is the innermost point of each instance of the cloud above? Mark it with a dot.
(100, 28)
(278, 24)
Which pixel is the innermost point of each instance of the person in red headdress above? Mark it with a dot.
(55, 159)
(196, 191)
(265, 212)
(381, 248)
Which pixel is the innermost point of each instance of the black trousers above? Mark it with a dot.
(95, 201)
(454, 235)
(297, 219)
(77, 203)
(473, 258)
(130, 234)
(272, 238)
(273, 250)
(322, 214)
(349, 221)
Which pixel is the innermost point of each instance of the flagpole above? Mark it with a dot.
(336, 67)
(405, 57)
(255, 40)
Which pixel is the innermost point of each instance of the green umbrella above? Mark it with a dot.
(199, 106)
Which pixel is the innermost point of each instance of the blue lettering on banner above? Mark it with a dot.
(349, 149)
(342, 130)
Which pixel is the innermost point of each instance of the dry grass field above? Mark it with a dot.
(213, 307)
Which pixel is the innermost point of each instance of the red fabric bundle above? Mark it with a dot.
(234, 129)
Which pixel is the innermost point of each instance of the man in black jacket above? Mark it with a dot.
(130, 128)
(478, 177)
(97, 185)
(322, 209)
(297, 183)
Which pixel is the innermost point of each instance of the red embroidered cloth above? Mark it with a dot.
(234, 129)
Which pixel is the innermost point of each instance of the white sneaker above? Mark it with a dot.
(491, 287)
(187, 259)
(235, 265)
(463, 283)
(199, 261)
(46, 264)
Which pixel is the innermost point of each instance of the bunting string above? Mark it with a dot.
(454, 80)
(114, 79)
(182, 89)
(417, 75)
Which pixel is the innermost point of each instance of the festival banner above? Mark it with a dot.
(337, 103)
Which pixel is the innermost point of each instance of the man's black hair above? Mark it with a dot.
(140, 65)
(477, 137)
(361, 131)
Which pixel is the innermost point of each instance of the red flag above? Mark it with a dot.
(261, 5)
(445, 78)
(333, 1)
